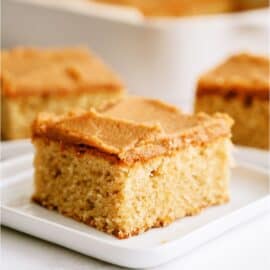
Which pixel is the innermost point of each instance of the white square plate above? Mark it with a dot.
(249, 198)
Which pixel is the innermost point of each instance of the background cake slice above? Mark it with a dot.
(52, 80)
(126, 171)
(187, 7)
(250, 4)
(239, 87)
(176, 7)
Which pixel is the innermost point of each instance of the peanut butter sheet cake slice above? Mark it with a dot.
(131, 166)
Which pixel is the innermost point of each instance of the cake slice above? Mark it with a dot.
(52, 80)
(250, 4)
(134, 165)
(175, 8)
(239, 87)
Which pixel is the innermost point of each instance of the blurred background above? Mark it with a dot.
(157, 54)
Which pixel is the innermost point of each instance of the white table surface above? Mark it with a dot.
(246, 247)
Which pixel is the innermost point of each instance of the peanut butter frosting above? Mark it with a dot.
(149, 128)
(242, 74)
(30, 71)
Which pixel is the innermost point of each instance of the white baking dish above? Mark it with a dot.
(156, 57)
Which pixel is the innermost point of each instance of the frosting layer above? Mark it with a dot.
(29, 71)
(241, 74)
(133, 129)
